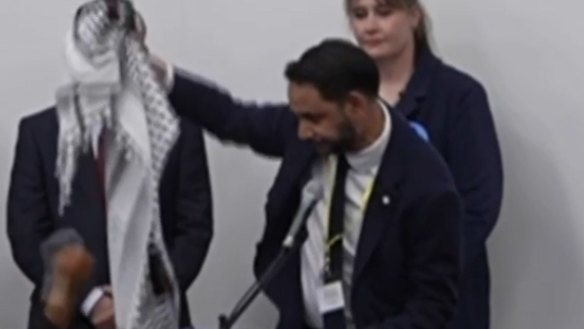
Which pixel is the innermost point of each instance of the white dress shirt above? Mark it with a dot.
(363, 166)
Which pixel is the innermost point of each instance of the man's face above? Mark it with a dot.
(322, 122)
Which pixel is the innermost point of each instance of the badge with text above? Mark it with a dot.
(330, 297)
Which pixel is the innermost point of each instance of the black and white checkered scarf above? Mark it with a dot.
(112, 88)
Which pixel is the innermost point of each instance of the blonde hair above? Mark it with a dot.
(421, 33)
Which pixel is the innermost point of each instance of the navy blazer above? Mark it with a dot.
(185, 201)
(453, 109)
(42, 322)
(408, 260)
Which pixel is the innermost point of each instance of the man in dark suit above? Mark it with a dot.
(185, 206)
(382, 246)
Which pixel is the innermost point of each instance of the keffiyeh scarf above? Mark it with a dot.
(112, 89)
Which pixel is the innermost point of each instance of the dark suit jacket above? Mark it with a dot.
(408, 259)
(43, 322)
(185, 200)
(454, 110)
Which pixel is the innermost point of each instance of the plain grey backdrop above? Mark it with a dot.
(528, 53)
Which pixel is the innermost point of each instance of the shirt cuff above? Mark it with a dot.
(91, 301)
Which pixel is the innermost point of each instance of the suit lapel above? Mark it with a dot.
(292, 176)
(303, 165)
(381, 207)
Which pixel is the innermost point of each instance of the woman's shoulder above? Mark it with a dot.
(455, 88)
(458, 80)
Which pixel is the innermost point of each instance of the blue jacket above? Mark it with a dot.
(452, 109)
(407, 265)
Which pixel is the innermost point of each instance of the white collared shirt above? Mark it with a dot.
(363, 169)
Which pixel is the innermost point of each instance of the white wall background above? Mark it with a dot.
(527, 53)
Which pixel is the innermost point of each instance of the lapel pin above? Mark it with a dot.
(385, 200)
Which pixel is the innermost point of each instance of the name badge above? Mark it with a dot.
(330, 297)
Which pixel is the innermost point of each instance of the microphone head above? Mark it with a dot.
(50, 249)
(299, 222)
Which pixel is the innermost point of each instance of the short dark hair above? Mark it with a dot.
(336, 67)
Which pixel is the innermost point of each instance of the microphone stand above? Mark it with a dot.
(289, 246)
(226, 322)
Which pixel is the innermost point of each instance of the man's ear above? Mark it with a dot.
(356, 102)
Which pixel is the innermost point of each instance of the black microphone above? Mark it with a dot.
(289, 244)
(49, 249)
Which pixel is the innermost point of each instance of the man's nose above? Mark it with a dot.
(305, 131)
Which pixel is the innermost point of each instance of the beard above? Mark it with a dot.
(347, 134)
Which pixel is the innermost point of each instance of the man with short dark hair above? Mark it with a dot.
(382, 242)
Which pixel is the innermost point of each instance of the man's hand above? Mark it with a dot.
(103, 316)
(159, 68)
(158, 65)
